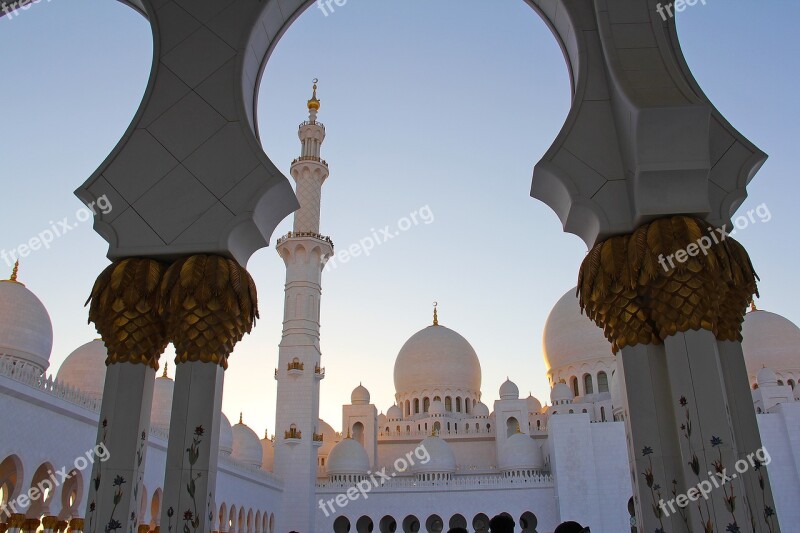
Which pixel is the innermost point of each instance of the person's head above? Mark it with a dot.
(502, 524)
(457, 530)
(571, 527)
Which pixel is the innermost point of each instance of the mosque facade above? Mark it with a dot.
(439, 457)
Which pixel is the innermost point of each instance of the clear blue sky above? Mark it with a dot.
(446, 104)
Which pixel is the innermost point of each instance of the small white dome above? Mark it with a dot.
(225, 436)
(329, 437)
(570, 338)
(520, 452)
(85, 369)
(770, 340)
(534, 405)
(394, 413)
(360, 396)
(26, 332)
(348, 457)
(442, 459)
(509, 390)
(246, 445)
(560, 393)
(480, 410)
(267, 454)
(766, 378)
(437, 358)
(161, 411)
(436, 408)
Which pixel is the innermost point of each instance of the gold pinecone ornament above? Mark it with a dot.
(634, 287)
(124, 309)
(207, 303)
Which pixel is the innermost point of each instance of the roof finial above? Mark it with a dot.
(753, 305)
(15, 271)
(241, 417)
(166, 364)
(313, 104)
(519, 429)
(435, 314)
(348, 433)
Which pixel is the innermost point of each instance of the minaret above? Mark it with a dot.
(299, 372)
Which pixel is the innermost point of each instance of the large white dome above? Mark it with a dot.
(772, 341)
(570, 338)
(225, 435)
(437, 358)
(246, 445)
(26, 333)
(348, 457)
(520, 452)
(85, 369)
(442, 459)
(268, 454)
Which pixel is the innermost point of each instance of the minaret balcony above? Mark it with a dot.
(293, 436)
(301, 234)
(319, 373)
(310, 158)
(295, 368)
(313, 123)
(318, 439)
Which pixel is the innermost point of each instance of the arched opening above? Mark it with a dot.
(258, 522)
(411, 524)
(358, 432)
(222, 518)
(408, 408)
(480, 523)
(388, 524)
(72, 496)
(341, 525)
(448, 404)
(437, 428)
(602, 413)
(632, 513)
(512, 426)
(44, 484)
(155, 509)
(588, 384)
(458, 520)
(791, 383)
(458, 404)
(426, 404)
(573, 384)
(232, 519)
(416, 406)
(249, 521)
(10, 477)
(434, 524)
(240, 521)
(364, 525)
(528, 522)
(602, 382)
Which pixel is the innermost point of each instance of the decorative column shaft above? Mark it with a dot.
(672, 297)
(208, 304)
(124, 310)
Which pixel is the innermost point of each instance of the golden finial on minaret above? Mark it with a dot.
(314, 102)
(166, 363)
(435, 314)
(348, 433)
(519, 429)
(14, 272)
(241, 417)
(753, 305)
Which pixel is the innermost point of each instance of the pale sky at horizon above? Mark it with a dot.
(446, 104)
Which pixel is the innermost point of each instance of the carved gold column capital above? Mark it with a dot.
(61, 525)
(31, 525)
(16, 521)
(76, 524)
(208, 303)
(143, 528)
(124, 309)
(49, 522)
(672, 275)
